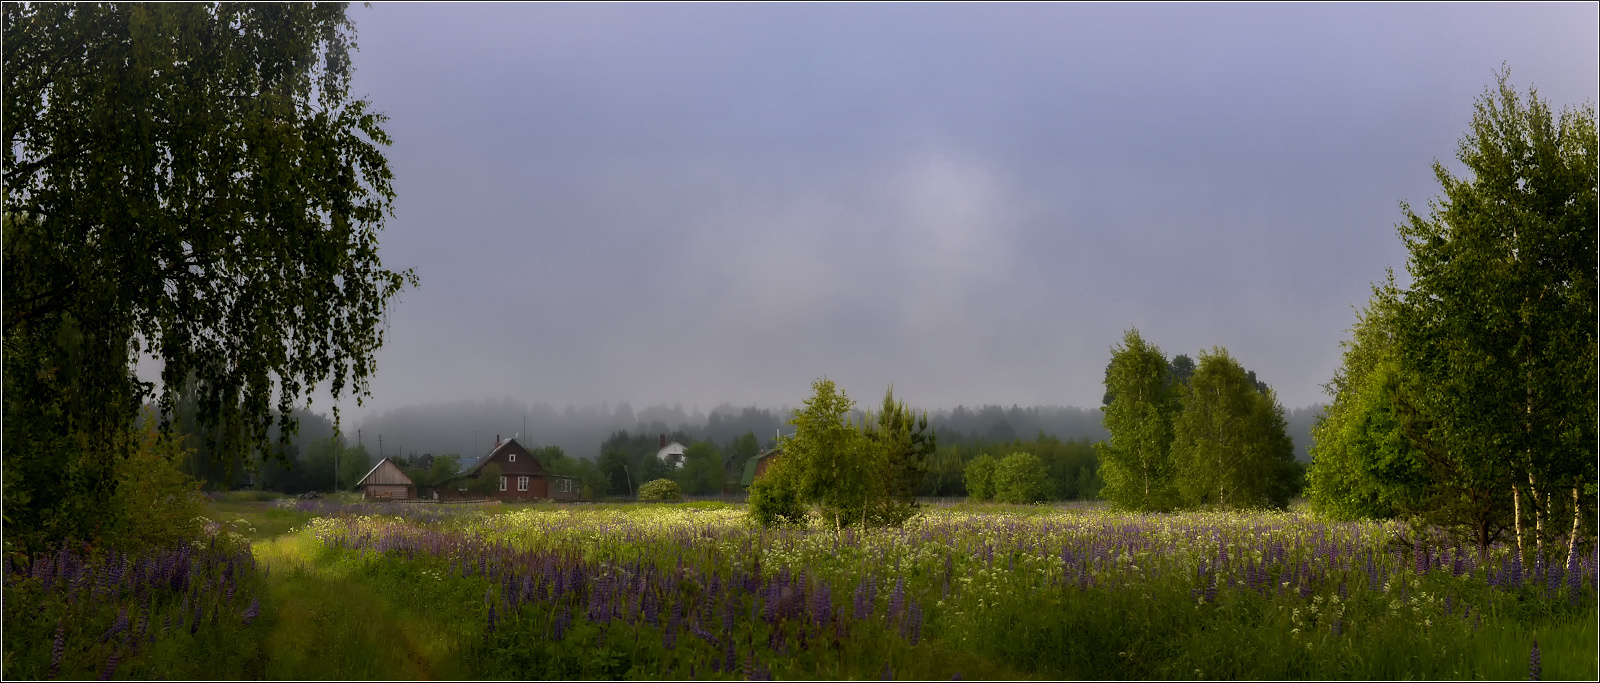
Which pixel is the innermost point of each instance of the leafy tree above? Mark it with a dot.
(193, 181)
(1136, 461)
(828, 461)
(1021, 478)
(660, 490)
(1230, 446)
(702, 472)
(739, 451)
(1362, 465)
(1497, 331)
(488, 480)
(980, 477)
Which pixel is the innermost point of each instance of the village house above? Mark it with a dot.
(671, 453)
(521, 477)
(387, 480)
(758, 465)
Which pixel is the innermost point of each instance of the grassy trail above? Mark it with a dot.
(329, 625)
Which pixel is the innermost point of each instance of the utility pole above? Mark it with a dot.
(630, 479)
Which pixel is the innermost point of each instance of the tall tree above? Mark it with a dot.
(1498, 325)
(193, 181)
(903, 444)
(1135, 462)
(1230, 445)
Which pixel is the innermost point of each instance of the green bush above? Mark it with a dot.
(155, 503)
(660, 490)
(980, 478)
(773, 502)
(1021, 478)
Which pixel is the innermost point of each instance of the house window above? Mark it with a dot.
(522, 483)
(502, 483)
(564, 485)
(511, 457)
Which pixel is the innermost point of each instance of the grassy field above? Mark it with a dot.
(357, 591)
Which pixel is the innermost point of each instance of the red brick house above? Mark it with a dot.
(521, 477)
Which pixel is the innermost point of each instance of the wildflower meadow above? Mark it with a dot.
(697, 591)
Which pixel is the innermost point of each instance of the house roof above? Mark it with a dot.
(507, 446)
(391, 475)
(751, 465)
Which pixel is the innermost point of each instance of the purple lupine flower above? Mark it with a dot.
(888, 673)
(897, 599)
(822, 604)
(253, 611)
(863, 600)
(674, 618)
(116, 626)
(1533, 661)
(490, 629)
(729, 657)
(111, 665)
(1516, 570)
(58, 648)
(915, 623)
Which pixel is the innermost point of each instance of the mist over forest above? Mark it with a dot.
(469, 428)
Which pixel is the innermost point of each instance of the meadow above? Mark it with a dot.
(342, 589)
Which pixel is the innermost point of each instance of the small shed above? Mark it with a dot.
(757, 466)
(386, 480)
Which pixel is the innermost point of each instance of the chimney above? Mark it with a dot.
(663, 440)
(497, 439)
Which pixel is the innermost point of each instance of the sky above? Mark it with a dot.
(704, 204)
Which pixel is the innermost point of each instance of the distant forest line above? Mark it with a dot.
(469, 429)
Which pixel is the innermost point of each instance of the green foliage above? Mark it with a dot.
(980, 478)
(828, 461)
(1362, 465)
(740, 450)
(1136, 463)
(156, 504)
(660, 490)
(1231, 447)
(702, 472)
(1475, 386)
(1021, 478)
(487, 481)
(192, 181)
(774, 500)
(902, 444)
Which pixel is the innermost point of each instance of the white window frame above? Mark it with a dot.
(502, 482)
(522, 483)
(511, 457)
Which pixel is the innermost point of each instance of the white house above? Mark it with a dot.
(671, 453)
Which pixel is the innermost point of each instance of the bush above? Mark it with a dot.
(773, 502)
(155, 504)
(980, 478)
(660, 490)
(1021, 478)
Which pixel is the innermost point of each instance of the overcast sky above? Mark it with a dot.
(699, 204)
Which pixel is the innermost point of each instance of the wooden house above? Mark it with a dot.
(386, 480)
(758, 465)
(521, 477)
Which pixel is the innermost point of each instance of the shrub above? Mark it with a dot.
(155, 503)
(1021, 478)
(660, 490)
(773, 502)
(980, 478)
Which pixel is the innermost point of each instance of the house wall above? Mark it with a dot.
(391, 491)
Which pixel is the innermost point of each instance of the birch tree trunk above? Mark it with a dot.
(1572, 540)
(1516, 508)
